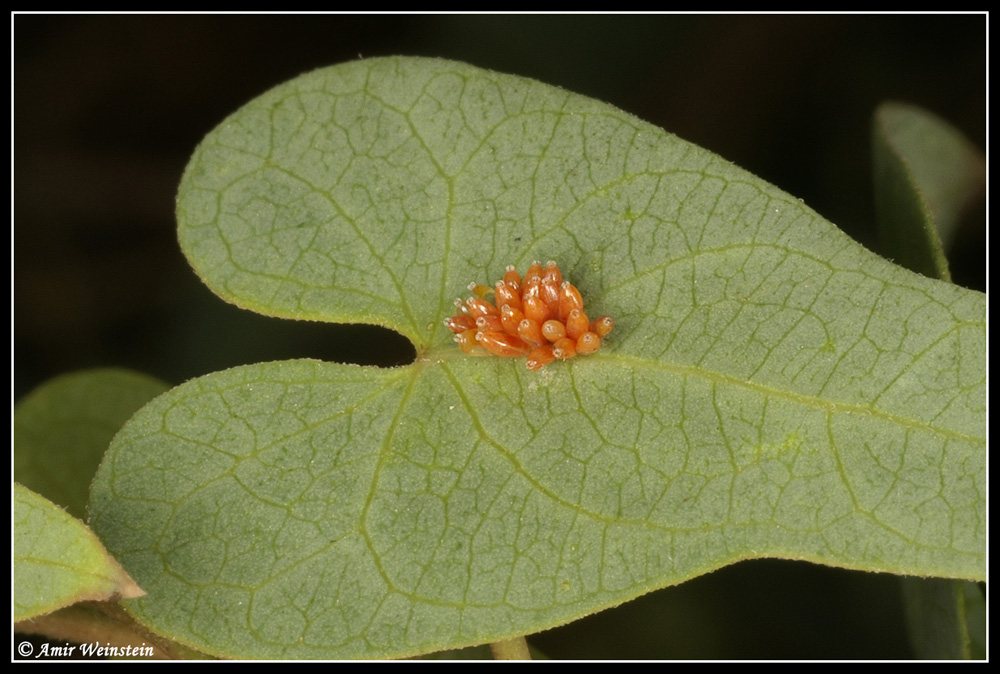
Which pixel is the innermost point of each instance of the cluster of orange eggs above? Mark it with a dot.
(540, 317)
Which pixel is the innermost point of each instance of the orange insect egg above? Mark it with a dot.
(551, 280)
(552, 274)
(588, 343)
(480, 307)
(540, 357)
(602, 326)
(467, 341)
(502, 344)
(549, 293)
(529, 331)
(507, 295)
(533, 275)
(569, 299)
(489, 323)
(553, 330)
(459, 324)
(563, 349)
(534, 307)
(479, 290)
(577, 323)
(540, 317)
(512, 278)
(510, 318)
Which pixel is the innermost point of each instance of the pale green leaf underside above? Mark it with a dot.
(946, 618)
(63, 428)
(926, 174)
(771, 388)
(57, 560)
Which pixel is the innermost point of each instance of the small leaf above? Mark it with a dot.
(941, 614)
(926, 175)
(771, 389)
(63, 428)
(58, 561)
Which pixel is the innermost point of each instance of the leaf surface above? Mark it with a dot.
(946, 618)
(63, 428)
(927, 173)
(57, 560)
(771, 388)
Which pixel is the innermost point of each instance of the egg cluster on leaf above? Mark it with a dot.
(540, 317)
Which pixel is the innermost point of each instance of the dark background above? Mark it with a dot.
(108, 109)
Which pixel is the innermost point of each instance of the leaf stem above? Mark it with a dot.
(510, 649)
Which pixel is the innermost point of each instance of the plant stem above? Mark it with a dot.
(510, 649)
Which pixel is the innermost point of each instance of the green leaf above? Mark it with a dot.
(58, 561)
(944, 616)
(771, 389)
(63, 428)
(926, 175)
